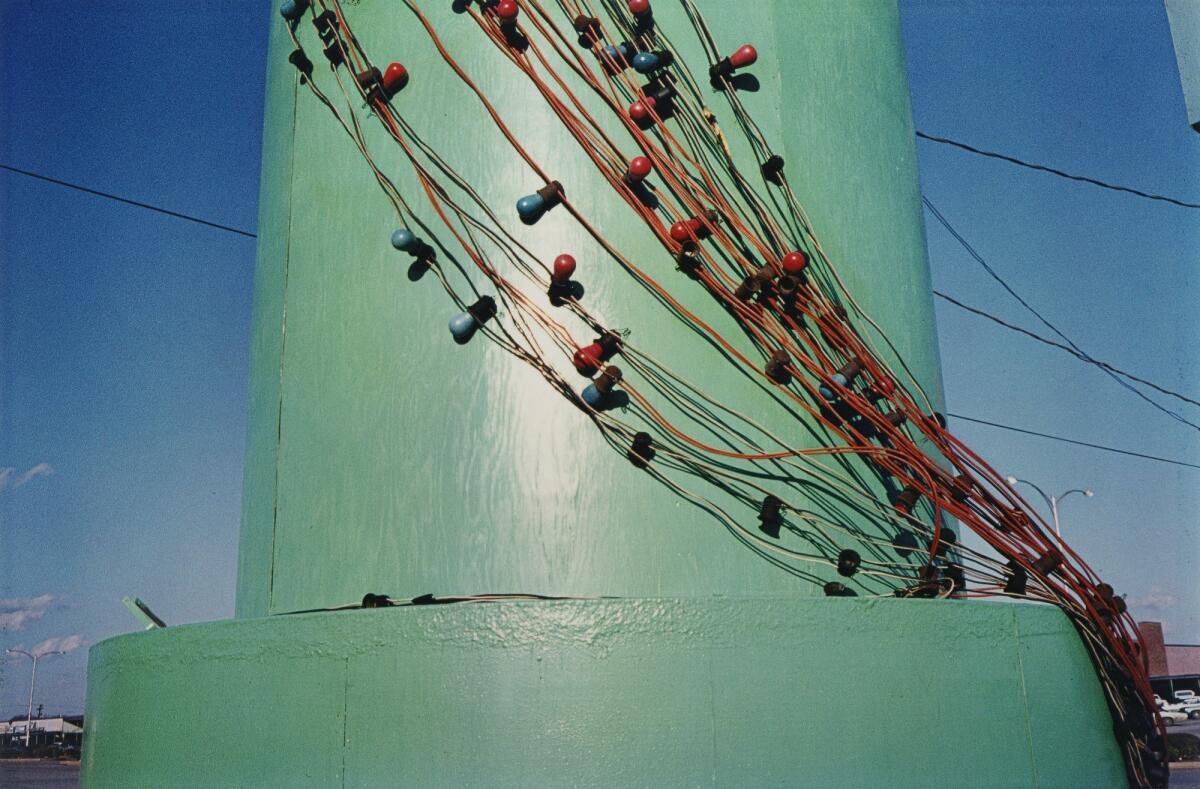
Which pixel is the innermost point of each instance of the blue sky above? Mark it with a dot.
(124, 334)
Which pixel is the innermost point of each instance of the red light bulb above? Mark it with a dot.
(639, 7)
(639, 168)
(745, 56)
(640, 110)
(694, 228)
(507, 10)
(394, 79)
(795, 262)
(587, 359)
(681, 232)
(564, 267)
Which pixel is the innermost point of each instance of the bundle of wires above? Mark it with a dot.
(742, 236)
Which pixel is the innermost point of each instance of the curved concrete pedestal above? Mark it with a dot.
(615, 692)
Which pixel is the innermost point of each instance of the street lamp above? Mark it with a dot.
(1052, 500)
(32, 681)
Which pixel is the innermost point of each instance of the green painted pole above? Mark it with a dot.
(384, 458)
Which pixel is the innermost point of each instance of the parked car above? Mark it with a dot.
(1184, 695)
(1171, 717)
(1191, 707)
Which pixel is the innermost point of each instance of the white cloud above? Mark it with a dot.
(16, 612)
(61, 644)
(40, 470)
(1159, 599)
(7, 480)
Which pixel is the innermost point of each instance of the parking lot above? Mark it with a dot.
(1185, 776)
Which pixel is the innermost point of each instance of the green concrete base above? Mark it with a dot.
(630, 692)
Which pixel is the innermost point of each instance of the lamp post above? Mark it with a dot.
(32, 682)
(1052, 500)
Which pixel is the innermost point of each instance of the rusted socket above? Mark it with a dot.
(608, 379)
(777, 364)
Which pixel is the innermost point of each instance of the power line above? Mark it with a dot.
(1047, 341)
(992, 272)
(1054, 171)
(127, 201)
(1073, 441)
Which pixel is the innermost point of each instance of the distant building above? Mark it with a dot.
(1172, 666)
(63, 730)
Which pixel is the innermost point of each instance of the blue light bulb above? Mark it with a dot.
(530, 208)
(405, 241)
(645, 62)
(599, 393)
(291, 10)
(593, 396)
(828, 393)
(464, 325)
(616, 53)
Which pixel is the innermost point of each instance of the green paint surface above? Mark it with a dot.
(384, 458)
(654, 692)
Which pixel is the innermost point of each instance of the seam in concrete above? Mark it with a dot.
(345, 719)
(1024, 697)
(287, 260)
(712, 713)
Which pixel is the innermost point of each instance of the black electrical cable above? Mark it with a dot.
(1073, 441)
(1054, 171)
(1047, 341)
(127, 201)
(992, 272)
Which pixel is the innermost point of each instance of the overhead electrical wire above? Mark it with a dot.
(1046, 341)
(1055, 171)
(1004, 284)
(1074, 441)
(128, 201)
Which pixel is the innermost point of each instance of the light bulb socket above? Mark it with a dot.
(552, 193)
(326, 24)
(848, 562)
(559, 292)
(838, 589)
(688, 260)
(483, 310)
(1048, 562)
(371, 600)
(302, 64)
(585, 24)
(641, 451)
(334, 54)
(906, 500)
(955, 574)
(770, 516)
(777, 367)
(610, 345)
(772, 170)
(370, 81)
(947, 539)
(1018, 579)
(609, 378)
(904, 543)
